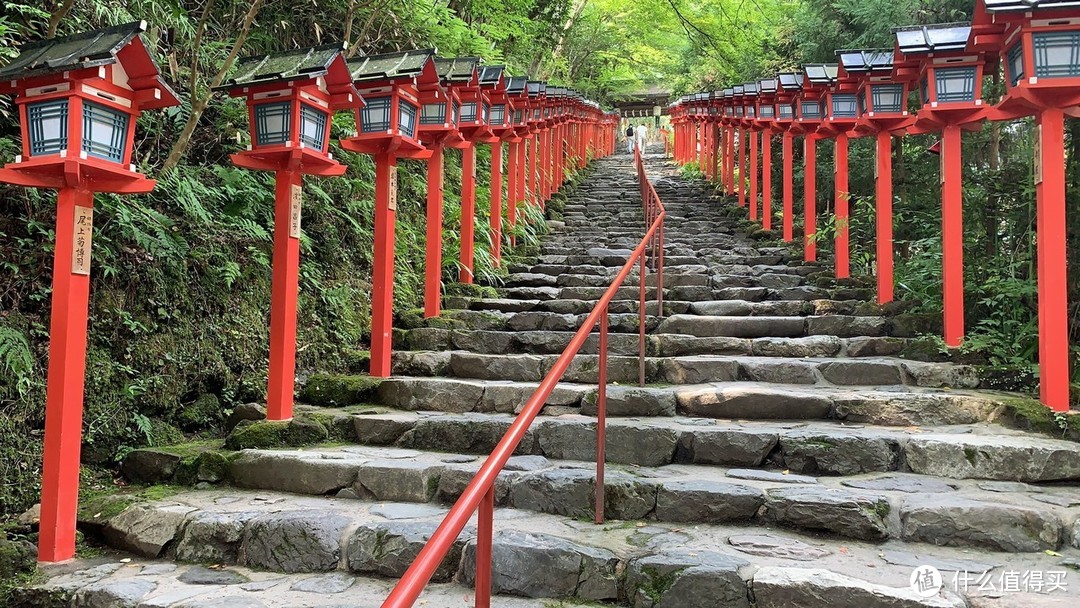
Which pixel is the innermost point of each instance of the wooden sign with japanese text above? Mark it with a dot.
(82, 239)
(295, 205)
(392, 205)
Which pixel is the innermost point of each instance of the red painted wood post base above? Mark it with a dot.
(810, 198)
(840, 182)
(67, 373)
(433, 252)
(283, 292)
(883, 217)
(766, 180)
(742, 167)
(952, 235)
(714, 151)
(495, 215)
(753, 174)
(533, 195)
(1053, 275)
(468, 213)
(788, 144)
(382, 290)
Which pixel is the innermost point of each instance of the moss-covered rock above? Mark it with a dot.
(1014, 378)
(299, 431)
(16, 557)
(330, 390)
(1030, 414)
(468, 290)
(205, 411)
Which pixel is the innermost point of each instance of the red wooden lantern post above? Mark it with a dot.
(437, 130)
(729, 141)
(713, 138)
(680, 118)
(518, 98)
(498, 121)
(882, 99)
(787, 100)
(740, 134)
(766, 115)
(1038, 45)
(537, 98)
(841, 111)
(809, 117)
(751, 131)
(387, 129)
(291, 98)
(950, 79)
(472, 123)
(78, 98)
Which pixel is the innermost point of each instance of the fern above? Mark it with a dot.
(16, 357)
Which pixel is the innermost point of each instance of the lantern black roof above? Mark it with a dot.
(738, 89)
(821, 73)
(516, 85)
(791, 80)
(995, 6)
(750, 88)
(300, 63)
(767, 85)
(456, 69)
(66, 53)
(728, 92)
(490, 74)
(921, 39)
(401, 64)
(537, 88)
(856, 61)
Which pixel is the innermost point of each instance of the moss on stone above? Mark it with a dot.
(339, 389)
(205, 411)
(470, 290)
(657, 584)
(263, 434)
(1029, 414)
(163, 433)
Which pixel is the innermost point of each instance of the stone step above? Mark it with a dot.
(973, 451)
(551, 342)
(906, 323)
(892, 406)
(624, 364)
(568, 315)
(863, 505)
(115, 579)
(536, 555)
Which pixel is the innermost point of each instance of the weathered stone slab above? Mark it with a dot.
(632, 401)
(949, 520)
(431, 394)
(556, 568)
(809, 346)
(752, 402)
(698, 580)
(839, 452)
(389, 548)
(294, 541)
(397, 480)
(853, 515)
(298, 472)
(707, 501)
(697, 370)
(767, 545)
(912, 484)
(145, 529)
(212, 538)
(735, 327)
(738, 447)
(775, 587)
(1027, 459)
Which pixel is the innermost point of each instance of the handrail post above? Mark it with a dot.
(641, 322)
(484, 532)
(601, 417)
(660, 272)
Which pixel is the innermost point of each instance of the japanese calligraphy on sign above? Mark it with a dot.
(294, 211)
(83, 233)
(1037, 150)
(392, 205)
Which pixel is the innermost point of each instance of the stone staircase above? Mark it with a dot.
(796, 445)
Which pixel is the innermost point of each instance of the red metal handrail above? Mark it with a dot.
(480, 493)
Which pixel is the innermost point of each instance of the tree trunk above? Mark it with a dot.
(198, 104)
